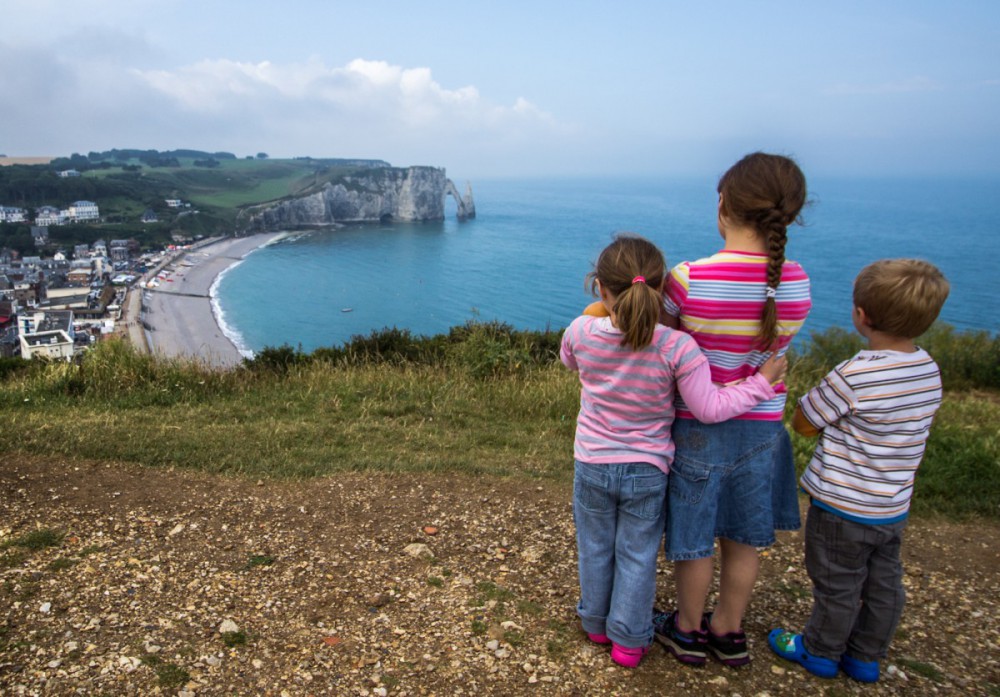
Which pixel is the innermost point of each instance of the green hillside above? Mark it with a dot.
(483, 399)
(215, 188)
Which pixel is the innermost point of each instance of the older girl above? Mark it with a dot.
(734, 481)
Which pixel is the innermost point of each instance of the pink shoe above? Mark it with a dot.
(627, 656)
(599, 638)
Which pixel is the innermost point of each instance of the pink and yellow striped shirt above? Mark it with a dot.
(719, 301)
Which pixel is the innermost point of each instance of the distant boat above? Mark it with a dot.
(347, 309)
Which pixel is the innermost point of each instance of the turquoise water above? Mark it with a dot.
(524, 258)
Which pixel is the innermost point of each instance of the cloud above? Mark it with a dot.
(89, 99)
(912, 84)
(365, 108)
(363, 90)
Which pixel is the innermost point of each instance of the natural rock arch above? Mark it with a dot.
(466, 206)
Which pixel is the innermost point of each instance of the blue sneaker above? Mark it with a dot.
(862, 671)
(789, 646)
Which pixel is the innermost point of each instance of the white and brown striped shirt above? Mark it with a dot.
(875, 412)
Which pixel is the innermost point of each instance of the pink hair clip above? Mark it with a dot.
(638, 279)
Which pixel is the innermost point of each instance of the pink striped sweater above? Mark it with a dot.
(623, 417)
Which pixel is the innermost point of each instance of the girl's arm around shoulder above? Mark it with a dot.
(712, 404)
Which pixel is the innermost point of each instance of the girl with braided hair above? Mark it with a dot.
(734, 481)
(630, 368)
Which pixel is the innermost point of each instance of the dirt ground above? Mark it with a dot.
(171, 582)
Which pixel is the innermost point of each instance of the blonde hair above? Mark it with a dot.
(632, 268)
(901, 297)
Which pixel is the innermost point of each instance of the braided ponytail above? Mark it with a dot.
(775, 236)
(767, 193)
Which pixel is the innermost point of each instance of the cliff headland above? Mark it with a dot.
(388, 194)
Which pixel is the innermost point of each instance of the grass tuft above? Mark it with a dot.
(255, 560)
(37, 539)
(924, 669)
(234, 639)
(168, 675)
(61, 563)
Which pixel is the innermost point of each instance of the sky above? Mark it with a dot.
(518, 88)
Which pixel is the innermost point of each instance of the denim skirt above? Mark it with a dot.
(734, 480)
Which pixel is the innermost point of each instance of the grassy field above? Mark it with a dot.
(474, 402)
(235, 183)
(223, 190)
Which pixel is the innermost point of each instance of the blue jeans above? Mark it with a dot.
(619, 514)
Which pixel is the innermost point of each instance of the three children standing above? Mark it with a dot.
(649, 407)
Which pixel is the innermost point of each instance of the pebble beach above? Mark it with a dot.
(175, 318)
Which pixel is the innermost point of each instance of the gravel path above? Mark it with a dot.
(170, 582)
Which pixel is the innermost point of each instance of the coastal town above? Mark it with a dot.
(55, 307)
(122, 243)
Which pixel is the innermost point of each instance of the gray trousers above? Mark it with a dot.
(857, 580)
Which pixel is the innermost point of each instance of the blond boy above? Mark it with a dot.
(873, 414)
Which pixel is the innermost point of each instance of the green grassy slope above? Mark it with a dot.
(476, 401)
(124, 188)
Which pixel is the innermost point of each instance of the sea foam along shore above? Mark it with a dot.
(229, 331)
(182, 314)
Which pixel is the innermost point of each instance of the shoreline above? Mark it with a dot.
(179, 318)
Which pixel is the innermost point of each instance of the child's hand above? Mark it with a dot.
(774, 368)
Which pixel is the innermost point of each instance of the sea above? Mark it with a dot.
(524, 258)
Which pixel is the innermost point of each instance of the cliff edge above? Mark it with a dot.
(387, 194)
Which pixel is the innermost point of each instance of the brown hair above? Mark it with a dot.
(638, 302)
(766, 193)
(901, 297)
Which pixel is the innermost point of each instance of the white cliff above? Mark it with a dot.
(413, 194)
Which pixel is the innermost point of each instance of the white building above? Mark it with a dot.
(11, 214)
(46, 335)
(48, 215)
(54, 345)
(83, 210)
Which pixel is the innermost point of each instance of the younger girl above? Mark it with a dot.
(734, 480)
(629, 368)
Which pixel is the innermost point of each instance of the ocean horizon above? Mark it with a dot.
(524, 258)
